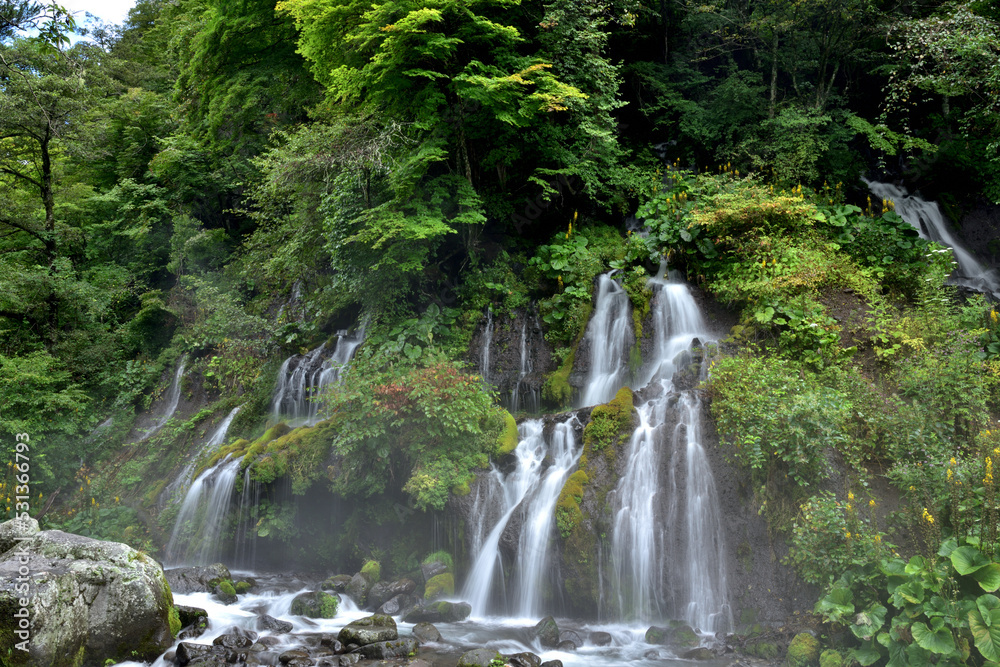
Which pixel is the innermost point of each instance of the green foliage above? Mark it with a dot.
(610, 424)
(428, 427)
(568, 514)
(783, 431)
(937, 608)
(508, 440)
(440, 557)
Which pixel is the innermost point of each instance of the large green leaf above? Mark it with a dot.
(869, 622)
(988, 577)
(984, 622)
(911, 591)
(968, 560)
(866, 654)
(935, 641)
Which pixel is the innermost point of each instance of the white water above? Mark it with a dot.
(302, 378)
(195, 539)
(514, 487)
(173, 400)
(217, 438)
(610, 336)
(642, 560)
(484, 355)
(539, 515)
(519, 401)
(931, 224)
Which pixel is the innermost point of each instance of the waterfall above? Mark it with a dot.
(646, 522)
(245, 556)
(302, 378)
(514, 486)
(484, 355)
(173, 399)
(931, 224)
(519, 401)
(536, 529)
(610, 336)
(198, 527)
(214, 441)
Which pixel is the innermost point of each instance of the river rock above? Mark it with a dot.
(680, 635)
(425, 632)
(357, 588)
(188, 652)
(397, 648)
(438, 612)
(571, 636)
(384, 591)
(480, 657)
(398, 605)
(369, 630)
(337, 583)
(273, 624)
(552, 663)
(236, 638)
(700, 653)
(523, 660)
(567, 646)
(546, 632)
(89, 599)
(196, 579)
(11, 530)
(316, 604)
(600, 638)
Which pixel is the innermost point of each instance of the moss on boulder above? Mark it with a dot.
(507, 441)
(568, 513)
(803, 651)
(441, 585)
(372, 571)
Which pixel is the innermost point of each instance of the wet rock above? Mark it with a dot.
(268, 641)
(188, 652)
(316, 604)
(418, 662)
(337, 583)
(433, 569)
(191, 615)
(546, 632)
(651, 654)
(332, 643)
(681, 635)
(571, 636)
(397, 648)
(293, 654)
(349, 659)
(425, 632)
(481, 657)
(236, 638)
(566, 646)
(196, 579)
(384, 591)
(88, 599)
(440, 586)
(398, 605)
(438, 612)
(803, 651)
(700, 653)
(523, 660)
(600, 638)
(273, 624)
(552, 663)
(369, 630)
(357, 588)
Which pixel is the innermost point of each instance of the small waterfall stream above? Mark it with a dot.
(484, 355)
(173, 400)
(302, 378)
(197, 529)
(926, 217)
(610, 335)
(214, 441)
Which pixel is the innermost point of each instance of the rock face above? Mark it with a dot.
(196, 579)
(438, 612)
(89, 601)
(369, 630)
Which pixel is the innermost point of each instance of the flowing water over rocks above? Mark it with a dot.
(196, 535)
(173, 398)
(610, 336)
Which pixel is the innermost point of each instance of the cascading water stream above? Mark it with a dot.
(214, 441)
(519, 401)
(195, 537)
(536, 529)
(640, 544)
(302, 378)
(173, 400)
(931, 224)
(610, 336)
(529, 453)
(484, 355)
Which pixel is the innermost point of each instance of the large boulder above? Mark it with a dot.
(480, 657)
(15, 530)
(316, 604)
(357, 588)
(546, 632)
(369, 630)
(397, 648)
(384, 591)
(438, 612)
(89, 601)
(197, 579)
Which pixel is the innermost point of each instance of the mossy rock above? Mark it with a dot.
(463, 488)
(442, 557)
(762, 649)
(439, 586)
(316, 604)
(830, 658)
(297, 453)
(568, 513)
(372, 571)
(242, 587)
(557, 389)
(175, 621)
(610, 425)
(803, 651)
(226, 592)
(508, 440)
